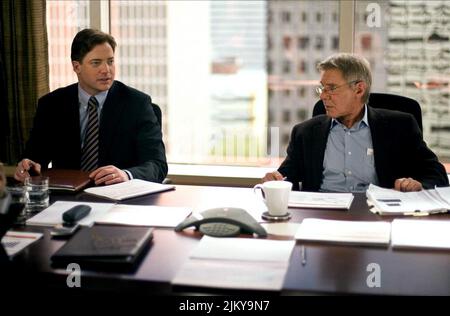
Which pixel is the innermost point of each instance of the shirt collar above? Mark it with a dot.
(84, 97)
(357, 125)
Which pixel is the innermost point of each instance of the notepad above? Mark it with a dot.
(236, 263)
(109, 213)
(128, 189)
(348, 232)
(421, 234)
(320, 200)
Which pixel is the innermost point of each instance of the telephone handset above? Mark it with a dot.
(223, 222)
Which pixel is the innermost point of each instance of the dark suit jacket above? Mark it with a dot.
(399, 151)
(130, 135)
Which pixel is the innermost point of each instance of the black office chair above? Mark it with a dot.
(385, 101)
(158, 114)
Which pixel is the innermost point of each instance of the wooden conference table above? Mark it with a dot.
(329, 269)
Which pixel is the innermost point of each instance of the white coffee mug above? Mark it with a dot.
(276, 196)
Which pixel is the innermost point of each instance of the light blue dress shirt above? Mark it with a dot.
(83, 99)
(349, 164)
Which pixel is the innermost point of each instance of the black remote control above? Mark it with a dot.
(76, 213)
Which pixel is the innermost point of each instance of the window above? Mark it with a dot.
(286, 116)
(285, 16)
(318, 17)
(304, 17)
(301, 92)
(319, 42)
(237, 51)
(286, 66)
(303, 42)
(302, 67)
(406, 52)
(287, 42)
(335, 43)
(301, 115)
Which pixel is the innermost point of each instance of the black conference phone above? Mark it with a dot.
(223, 222)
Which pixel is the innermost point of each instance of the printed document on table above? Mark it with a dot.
(421, 234)
(52, 215)
(109, 213)
(237, 263)
(128, 189)
(392, 202)
(353, 232)
(144, 215)
(320, 200)
(14, 242)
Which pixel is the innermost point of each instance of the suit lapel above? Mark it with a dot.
(317, 143)
(380, 142)
(111, 113)
(74, 138)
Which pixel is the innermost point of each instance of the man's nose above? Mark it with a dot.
(323, 95)
(104, 67)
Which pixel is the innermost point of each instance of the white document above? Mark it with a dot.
(243, 249)
(128, 189)
(237, 263)
(52, 215)
(421, 233)
(14, 242)
(281, 229)
(109, 213)
(392, 202)
(444, 194)
(144, 215)
(353, 232)
(320, 200)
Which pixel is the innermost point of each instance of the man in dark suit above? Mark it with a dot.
(98, 125)
(354, 145)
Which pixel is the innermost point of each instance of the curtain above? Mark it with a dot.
(24, 72)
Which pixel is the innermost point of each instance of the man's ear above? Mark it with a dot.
(76, 66)
(361, 87)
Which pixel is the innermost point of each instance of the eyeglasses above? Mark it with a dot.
(331, 90)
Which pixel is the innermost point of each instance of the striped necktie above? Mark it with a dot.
(89, 155)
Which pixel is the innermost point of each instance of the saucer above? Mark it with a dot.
(276, 218)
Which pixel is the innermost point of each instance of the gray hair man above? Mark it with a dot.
(354, 145)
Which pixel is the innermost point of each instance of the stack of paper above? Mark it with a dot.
(237, 263)
(392, 202)
(421, 234)
(128, 189)
(320, 200)
(370, 233)
(14, 242)
(108, 213)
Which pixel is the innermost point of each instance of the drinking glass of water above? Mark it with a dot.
(38, 193)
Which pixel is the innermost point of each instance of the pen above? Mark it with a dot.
(21, 236)
(303, 255)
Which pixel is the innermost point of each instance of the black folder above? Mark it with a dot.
(104, 246)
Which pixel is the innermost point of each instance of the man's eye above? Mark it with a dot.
(110, 62)
(95, 63)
